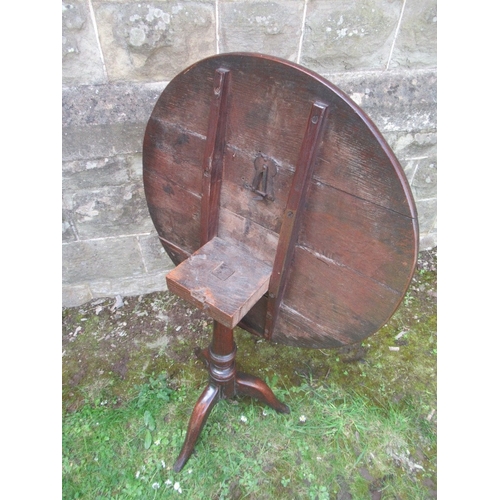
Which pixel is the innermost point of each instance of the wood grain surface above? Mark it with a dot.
(355, 246)
(221, 278)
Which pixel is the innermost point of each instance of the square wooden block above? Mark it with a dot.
(223, 279)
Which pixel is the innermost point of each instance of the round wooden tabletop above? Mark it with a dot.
(352, 252)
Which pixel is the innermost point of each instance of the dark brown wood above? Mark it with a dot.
(293, 212)
(248, 385)
(221, 278)
(202, 409)
(224, 382)
(213, 158)
(357, 240)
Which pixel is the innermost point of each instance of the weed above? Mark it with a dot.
(156, 388)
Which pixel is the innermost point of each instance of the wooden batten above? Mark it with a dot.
(293, 212)
(214, 155)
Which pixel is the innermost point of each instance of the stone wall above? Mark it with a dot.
(118, 55)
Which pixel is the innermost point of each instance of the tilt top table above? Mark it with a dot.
(283, 208)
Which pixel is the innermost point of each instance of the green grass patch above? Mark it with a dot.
(331, 439)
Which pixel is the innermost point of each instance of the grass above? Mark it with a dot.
(361, 426)
(330, 439)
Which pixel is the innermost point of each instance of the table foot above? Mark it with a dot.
(255, 387)
(201, 410)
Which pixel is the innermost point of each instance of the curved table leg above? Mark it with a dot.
(258, 389)
(201, 411)
(203, 355)
(225, 382)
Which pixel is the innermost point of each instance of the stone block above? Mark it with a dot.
(129, 286)
(428, 240)
(106, 120)
(424, 178)
(111, 211)
(94, 174)
(98, 141)
(410, 167)
(153, 41)
(407, 145)
(154, 255)
(107, 258)
(113, 103)
(68, 231)
(427, 218)
(134, 163)
(349, 36)
(75, 295)
(81, 58)
(402, 102)
(261, 26)
(416, 43)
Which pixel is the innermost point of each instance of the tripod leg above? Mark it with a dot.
(255, 387)
(201, 411)
(203, 355)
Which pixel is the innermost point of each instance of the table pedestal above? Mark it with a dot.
(224, 382)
